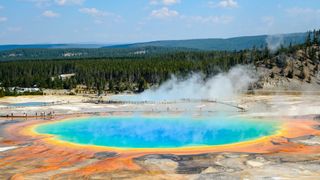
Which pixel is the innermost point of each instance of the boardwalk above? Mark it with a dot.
(168, 102)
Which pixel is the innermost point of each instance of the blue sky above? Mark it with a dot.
(120, 21)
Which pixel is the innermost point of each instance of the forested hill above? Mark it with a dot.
(74, 51)
(231, 44)
(85, 53)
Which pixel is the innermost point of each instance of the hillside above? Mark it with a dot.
(299, 70)
(231, 44)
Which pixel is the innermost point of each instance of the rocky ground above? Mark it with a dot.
(234, 165)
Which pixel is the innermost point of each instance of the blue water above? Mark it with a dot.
(158, 132)
(28, 104)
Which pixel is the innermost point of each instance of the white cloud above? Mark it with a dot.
(48, 3)
(100, 16)
(164, 13)
(41, 3)
(164, 2)
(69, 2)
(50, 14)
(224, 4)
(93, 12)
(169, 2)
(228, 4)
(3, 19)
(211, 19)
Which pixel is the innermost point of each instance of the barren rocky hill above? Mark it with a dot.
(298, 70)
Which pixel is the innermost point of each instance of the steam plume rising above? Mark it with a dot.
(274, 42)
(222, 86)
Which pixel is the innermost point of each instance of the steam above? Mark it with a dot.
(222, 86)
(274, 42)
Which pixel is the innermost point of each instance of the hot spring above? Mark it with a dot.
(28, 104)
(158, 132)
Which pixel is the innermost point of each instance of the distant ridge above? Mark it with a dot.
(230, 44)
(73, 51)
(219, 44)
(48, 46)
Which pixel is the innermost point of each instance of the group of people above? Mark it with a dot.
(42, 114)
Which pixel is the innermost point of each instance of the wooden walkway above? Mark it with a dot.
(167, 102)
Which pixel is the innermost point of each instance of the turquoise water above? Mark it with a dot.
(158, 132)
(28, 104)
